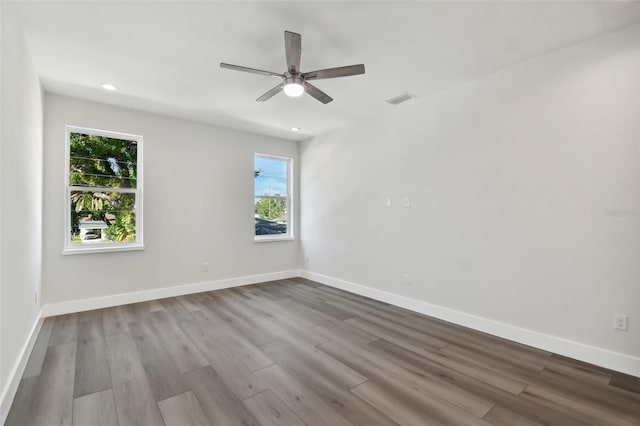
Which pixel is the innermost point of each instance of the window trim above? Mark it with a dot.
(138, 244)
(289, 236)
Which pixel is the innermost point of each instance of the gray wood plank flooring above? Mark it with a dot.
(96, 409)
(92, 366)
(294, 353)
(219, 403)
(53, 397)
(269, 410)
(36, 359)
(183, 410)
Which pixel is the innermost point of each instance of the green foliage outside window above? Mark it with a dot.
(103, 162)
(270, 208)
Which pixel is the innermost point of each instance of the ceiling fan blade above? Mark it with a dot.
(334, 72)
(293, 49)
(251, 70)
(271, 93)
(317, 93)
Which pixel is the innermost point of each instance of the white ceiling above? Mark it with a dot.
(165, 56)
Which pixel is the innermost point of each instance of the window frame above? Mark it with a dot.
(138, 244)
(289, 236)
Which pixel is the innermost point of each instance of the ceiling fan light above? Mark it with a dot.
(293, 90)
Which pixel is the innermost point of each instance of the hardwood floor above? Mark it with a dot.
(293, 353)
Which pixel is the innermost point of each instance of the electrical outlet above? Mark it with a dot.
(620, 322)
(406, 203)
(406, 279)
(388, 203)
(205, 266)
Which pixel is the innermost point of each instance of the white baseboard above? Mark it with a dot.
(11, 387)
(160, 293)
(558, 345)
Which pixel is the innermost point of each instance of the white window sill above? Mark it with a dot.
(271, 239)
(102, 249)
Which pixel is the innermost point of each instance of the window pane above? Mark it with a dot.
(270, 176)
(271, 216)
(102, 161)
(102, 217)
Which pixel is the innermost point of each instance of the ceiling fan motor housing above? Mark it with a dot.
(293, 79)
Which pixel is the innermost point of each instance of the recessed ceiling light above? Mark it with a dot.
(295, 129)
(110, 87)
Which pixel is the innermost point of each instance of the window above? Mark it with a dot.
(103, 191)
(272, 198)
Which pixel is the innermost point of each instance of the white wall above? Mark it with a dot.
(525, 197)
(198, 206)
(20, 202)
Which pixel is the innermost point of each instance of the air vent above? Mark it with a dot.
(402, 97)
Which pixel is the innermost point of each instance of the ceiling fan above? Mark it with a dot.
(295, 83)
